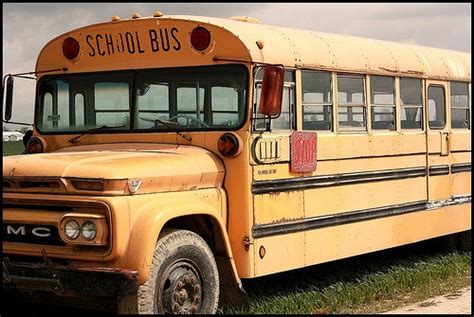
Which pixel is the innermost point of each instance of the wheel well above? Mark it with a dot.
(205, 226)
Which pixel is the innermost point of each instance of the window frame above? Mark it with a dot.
(257, 118)
(373, 105)
(352, 105)
(133, 105)
(421, 106)
(443, 88)
(330, 105)
(467, 108)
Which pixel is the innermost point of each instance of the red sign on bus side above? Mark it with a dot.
(303, 155)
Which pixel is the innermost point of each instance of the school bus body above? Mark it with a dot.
(369, 191)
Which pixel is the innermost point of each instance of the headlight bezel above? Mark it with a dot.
(101, 236)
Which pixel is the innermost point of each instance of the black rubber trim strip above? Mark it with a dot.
(300, 183)
(461, 167)
(272, 229)
(439, 170)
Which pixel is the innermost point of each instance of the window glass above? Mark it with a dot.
(382, 90)
(112, 103)
(154, 98)
(316, 87)
(436, 107)
(382, 93)
(225, 106)
(410, 91)
(351, 117)
(383, 118)
(187, 99)
(79, 110)
(317, 100)
(460, 118)
(286, 120)
(63, 112)
(153, 103)
(111, 96)
(54, 117)
(350, 89)
(351, 108)
(459, 105)
(411, 117)
(47, 111)
(283, 121)
(411, 106)
(459, 95)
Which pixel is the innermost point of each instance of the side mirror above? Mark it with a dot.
(272, 91)
(9, 99)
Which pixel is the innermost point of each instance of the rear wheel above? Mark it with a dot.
(183, 278)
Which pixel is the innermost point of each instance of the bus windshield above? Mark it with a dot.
(190, 99)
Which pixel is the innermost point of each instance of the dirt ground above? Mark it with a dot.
(458, 302)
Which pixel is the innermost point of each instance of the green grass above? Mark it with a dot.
(13, 148)
(370, 283)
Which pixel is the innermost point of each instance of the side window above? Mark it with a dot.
(411, 105)
(382, 96)
(351, 103)
(286, 120)
(460, 106)
(436, 107)
(317, 100)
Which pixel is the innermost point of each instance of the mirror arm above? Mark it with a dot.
(19, 123)
(22, 75)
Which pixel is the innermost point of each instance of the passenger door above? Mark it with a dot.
(438, 141)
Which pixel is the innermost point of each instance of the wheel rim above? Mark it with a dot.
(181, 289)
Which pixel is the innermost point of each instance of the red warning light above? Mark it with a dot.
(200, 38)
(70, 48)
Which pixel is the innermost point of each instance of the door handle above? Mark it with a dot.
(445, 143)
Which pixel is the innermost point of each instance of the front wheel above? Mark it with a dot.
(183, 278)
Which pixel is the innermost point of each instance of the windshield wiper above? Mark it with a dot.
(74, 139)
(168, 124)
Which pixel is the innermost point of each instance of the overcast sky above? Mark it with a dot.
(28, 26)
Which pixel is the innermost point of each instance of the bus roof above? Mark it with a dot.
(325, 51)
(311, 49)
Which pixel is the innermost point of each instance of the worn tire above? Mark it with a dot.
(183, 269)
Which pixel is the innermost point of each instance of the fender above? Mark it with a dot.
(146, 227)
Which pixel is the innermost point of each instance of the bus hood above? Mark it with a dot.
(120, 168)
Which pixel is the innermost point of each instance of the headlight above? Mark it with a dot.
(89, 230)
(72, 229)
(84, 229)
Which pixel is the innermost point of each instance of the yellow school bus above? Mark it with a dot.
(174, 156)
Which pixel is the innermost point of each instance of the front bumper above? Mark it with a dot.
(65, 280)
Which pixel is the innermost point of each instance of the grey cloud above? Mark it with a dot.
(420, 11)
